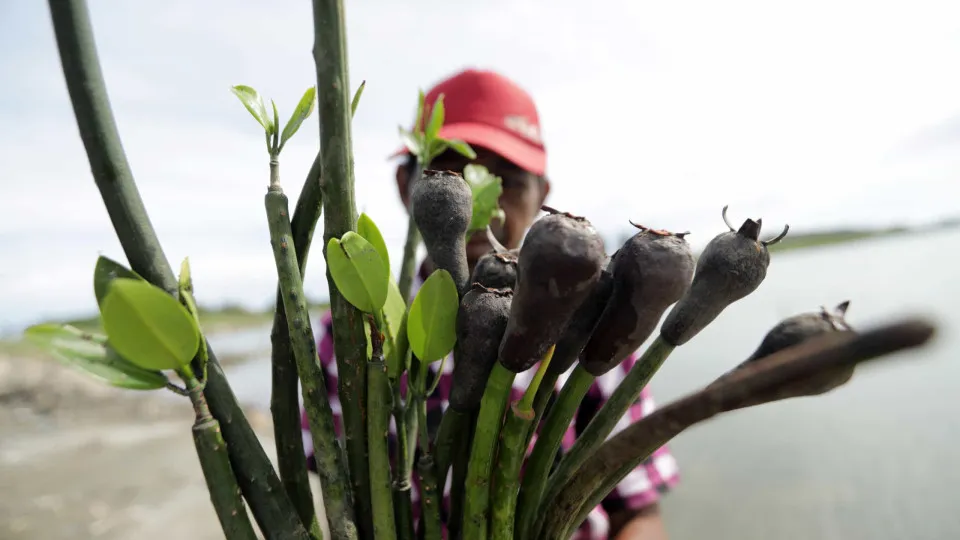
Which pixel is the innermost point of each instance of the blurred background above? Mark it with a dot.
(839, 118)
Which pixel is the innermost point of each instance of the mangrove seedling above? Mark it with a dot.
(496, 269)
(559, 263)
(793, 331)
(651, 271)
(443, 208)
(731, 267)
(481, 323)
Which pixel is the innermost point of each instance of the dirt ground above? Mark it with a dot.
(79, 459)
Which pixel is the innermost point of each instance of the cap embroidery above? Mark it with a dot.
(523, 127)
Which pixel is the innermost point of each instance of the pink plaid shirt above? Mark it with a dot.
(642, 487)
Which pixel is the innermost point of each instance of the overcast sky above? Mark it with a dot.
(814, 113)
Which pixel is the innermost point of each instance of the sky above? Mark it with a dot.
(817, 114)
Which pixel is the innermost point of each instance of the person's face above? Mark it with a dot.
(523, 195)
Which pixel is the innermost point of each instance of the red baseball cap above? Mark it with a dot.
(486, 109)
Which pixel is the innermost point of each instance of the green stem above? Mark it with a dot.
(402, 483)
(378, 431)
(540, 402)
(404, 512)
(215, 464)
(430, 497)
(340, 216)
(284, 405)
(408, 266)
(461, 459)
(507, 472)
(545, 450)
(258, 481)
(510, 455)
(477, 498)
(330, 462)
(449, 434)
(609, 414)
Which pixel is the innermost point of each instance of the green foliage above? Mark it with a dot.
(486, 189)
(148, 326)
(252, 100)
(303, 111)
(431, 324)
(356, 99)
(105, 271)
(358, 272)
(91, 354)
(371, 233)
(426, 143)
(276, 140)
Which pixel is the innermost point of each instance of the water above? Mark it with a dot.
(872, 460)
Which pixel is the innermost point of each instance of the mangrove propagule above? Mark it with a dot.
(442, 208)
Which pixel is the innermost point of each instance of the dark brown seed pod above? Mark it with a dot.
(442, 208)
(559, 263)
(651, 271)
(481, 322)
(794, 331)
(582, 325)
(497, 269)
(731, 267)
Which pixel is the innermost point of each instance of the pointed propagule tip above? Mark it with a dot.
(660, 232)
(477, 286)
(497, 246)
(553, 211)
(781, 236)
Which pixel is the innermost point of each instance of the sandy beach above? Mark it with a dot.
(79, 459)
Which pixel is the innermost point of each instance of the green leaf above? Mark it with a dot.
(486, 189)
(421, 102)
(462, 148)
(394, 313)
(435, 147)
(431, 324)
(275, 145)
(371, 233)
(356, 99)
(436, 119)
(302, 112)
(105, 272)
(358, 272)
(91, 354)
(185, 280)
(412, 141)
(148, 326)
(254, 103)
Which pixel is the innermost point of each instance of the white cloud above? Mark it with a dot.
(656, 112)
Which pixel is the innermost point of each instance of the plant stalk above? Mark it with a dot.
(545, 450)
(378, 389)
(330, 462)
(609, 414)
(258, 480)
(340, 216)
(430, 497)
(615, 458)
(215, 463)
(476, 512)
(284, 405)
(506, 475)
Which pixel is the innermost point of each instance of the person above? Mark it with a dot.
(501, 122)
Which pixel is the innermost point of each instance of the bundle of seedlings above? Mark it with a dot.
(556, 305)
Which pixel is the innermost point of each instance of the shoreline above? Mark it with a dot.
(86, 460)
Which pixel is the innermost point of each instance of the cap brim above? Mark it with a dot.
(525, 155)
